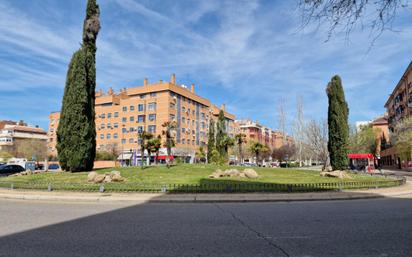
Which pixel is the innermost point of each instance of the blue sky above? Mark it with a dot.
(246, 54)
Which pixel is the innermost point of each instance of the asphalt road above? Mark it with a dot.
(378, 227)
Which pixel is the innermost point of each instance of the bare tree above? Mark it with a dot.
(346, 15)
(316, 134)
(282, 119)
(298, 128)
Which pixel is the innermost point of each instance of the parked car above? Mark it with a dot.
(11, 169)
(54, 166)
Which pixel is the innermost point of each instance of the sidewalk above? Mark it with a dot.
(401, 191)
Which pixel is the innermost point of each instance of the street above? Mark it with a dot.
(378, 227)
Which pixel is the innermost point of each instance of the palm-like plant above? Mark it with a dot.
(155, 145)
(240, 139)
(144, 136)
(168, 128)
(226, 143)
(256, 148)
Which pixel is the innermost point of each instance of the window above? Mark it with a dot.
(109, 125)
(108, 136)
(124, 108)
(183, 120)
(103, 115)
(172, 117)
(140, 107)
(183, 141)
(131, 118)
(193, 142)
(172, 105)
(142, 96)
(109, 115)
(152, 117)
(193, 112)
(140, 118)
(131, 141)
(183, 109)
(188, 110)
(193, 123)
(188, 121)
(183, 130)
(202, 115)
(101, 136)
(131, 108)
(123, 141)
(152, 106)
(124, 119)
(153, 94)
(116, 114)
(102, 126)
(131, 129)
(139, 141)
(193, 131)
(116, 125)
(140, 129)
(151, 129)
(124, 130)
(115, 135)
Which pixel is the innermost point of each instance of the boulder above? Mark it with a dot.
(91, 176)
(250, 173)
(115, 172)
(231, 173)
(117, 178)
(336, 174)
(107, 179)
(99, 178)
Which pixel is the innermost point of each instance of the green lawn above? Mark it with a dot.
(188, 174)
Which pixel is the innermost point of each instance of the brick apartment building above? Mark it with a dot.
(399, 106)
(121, 116)
(254, 131)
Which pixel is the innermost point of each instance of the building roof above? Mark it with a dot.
(26, 129)
(383, 120)
(408, 69)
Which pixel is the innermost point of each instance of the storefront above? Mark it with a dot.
(362, 161)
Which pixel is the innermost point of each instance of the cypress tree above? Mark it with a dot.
(338, 112)
(76, 134)
(221, 133)
(211, 144)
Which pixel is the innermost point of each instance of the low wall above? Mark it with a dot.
(104, 164)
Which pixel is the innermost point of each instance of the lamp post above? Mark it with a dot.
(122, 144)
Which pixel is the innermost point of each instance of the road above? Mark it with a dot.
(378, 227)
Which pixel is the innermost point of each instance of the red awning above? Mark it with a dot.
(163, 157)
(360, 156)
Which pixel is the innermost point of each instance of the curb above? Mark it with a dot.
(196, 198)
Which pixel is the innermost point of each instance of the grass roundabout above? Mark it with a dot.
(187, 178)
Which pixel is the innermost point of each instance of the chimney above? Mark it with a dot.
(192, 88)
(223, 107)
(161, 81)
(173, 79)
(110, 92)
(145, 82)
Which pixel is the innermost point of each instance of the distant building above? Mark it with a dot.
(14, 135)
(254, 131)
(120, 117)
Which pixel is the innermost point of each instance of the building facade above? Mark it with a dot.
(20, 140)
(120, 117)
(254, 131)
(399, 106)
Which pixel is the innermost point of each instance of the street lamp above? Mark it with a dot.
(122, 144)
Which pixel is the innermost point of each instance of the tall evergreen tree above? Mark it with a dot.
(76, 134)
(221, 133)
(211, 143)
(338, 112)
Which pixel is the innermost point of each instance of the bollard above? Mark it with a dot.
(163, 189)
(12, 186)
(101, 189)
(49, 188)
